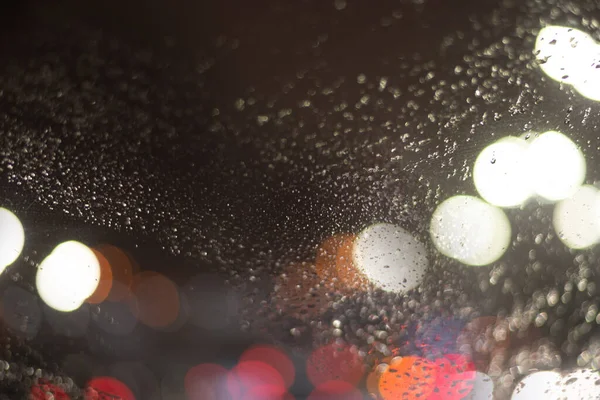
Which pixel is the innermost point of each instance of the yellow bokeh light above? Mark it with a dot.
(68, 276)
(470, 230)
(501, 173)
(557, 166)
(577, 218)
(12, 238)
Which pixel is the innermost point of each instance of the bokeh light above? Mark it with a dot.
(408, 378)
(44, 390)
(274, 357)
(106, 280)
(68, 276)
(470, 230)
(12, 238)
(390, 257)
(557, 166)
(157, 299)
(104, 387)
(206, 382)
(372, 381)
(455, 377)
(349, 276)
(562, 52)
(298, 292)
(501, 173)
(334, 362)
(247, 376)
(122, 267)
(543, 383)
(581, 384)
(326, 257)
(483, 388)
(335, 390)
(576, 219)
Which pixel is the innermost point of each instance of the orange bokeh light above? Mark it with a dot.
(299, 294)
(106, 280)
(327, 252)
(122, 269)
(408, 378)
(335, 390)
(105, 387)
(206, 382)
(157, 299)
(275, 358)
(346, 270)
(334, 362)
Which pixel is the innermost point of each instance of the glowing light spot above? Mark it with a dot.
(68, 276)
(298, 293)
(106, 278)
(580, 384)
(390, 257)
(408, 378)
(348, 274)
(206, 382)
(588, 84)
(483, 388)
(538, 384)
(577, 219)
(326, 258)
(501, 173)
(268, 392)
(12, 238)
(122, 267)
(109, 386)
(45, 390)
(557, 166)
(562, 52)
(455, 377)
(157, 298)
(247, 376)
(334, 362)
(335, 390)
(470, 230)
(372, 382)
(275, 358)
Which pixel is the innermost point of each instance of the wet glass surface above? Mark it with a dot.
(291, 200)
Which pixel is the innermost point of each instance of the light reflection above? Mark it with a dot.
(543, 383)
(501, 173)
(248, 376)
(106, 280)
(12, 238)
(581, 384)
(206, 382)
(470, 230)
(409, 378)
(557, 166)
(577, 218)
(274, 357)
(390, 257)
(68, 276)
(483, 388)
(562, 52)
(157, 298)
(108, 387)
(334, 362)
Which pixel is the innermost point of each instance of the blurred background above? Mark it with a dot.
(302, 199)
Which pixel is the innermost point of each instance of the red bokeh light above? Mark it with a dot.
(334, 362)
(455, 377)
(206, 382)
(249, 375)
(335, 390)
(275, 358)
(104, 387)
(268, 392)
(42, 389)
